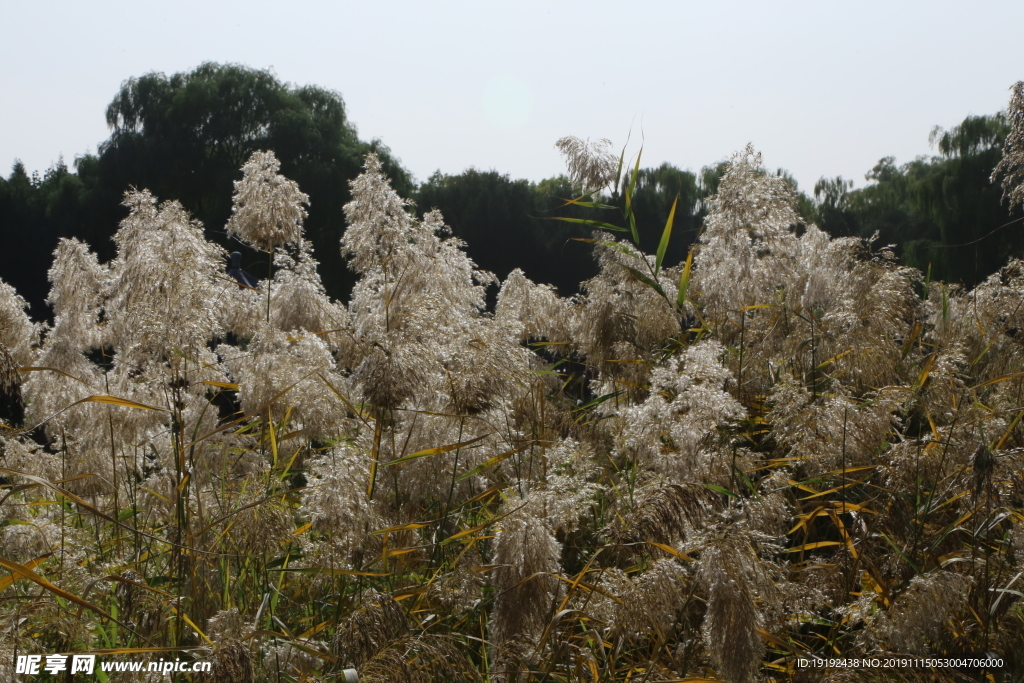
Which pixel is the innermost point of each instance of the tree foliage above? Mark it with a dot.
(35, 211)
(942, 212)
(507, 224)
(186, 136)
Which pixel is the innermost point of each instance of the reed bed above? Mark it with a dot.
(788, 447)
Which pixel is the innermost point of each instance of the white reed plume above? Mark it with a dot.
(687, 403)
(267, 208)
(591, 165)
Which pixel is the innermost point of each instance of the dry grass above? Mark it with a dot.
(794, 449)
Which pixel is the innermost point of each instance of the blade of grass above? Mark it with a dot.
(684, 280)
(653, 284)
(273, 437)
(490, 462)
(8, 581)
(191, 624)
(666, 235)
(589, 205)
(37, 368)
(811, 546)
(901, 553)
(720, 489)
(434, 451)
(629, 198)
(27, 573)
(601, 225)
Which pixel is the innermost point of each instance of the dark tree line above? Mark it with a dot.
(186, 136)
(943, 213)
(511, 224)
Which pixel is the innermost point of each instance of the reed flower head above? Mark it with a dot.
(916, 620)
(268, 208)
(591, 165)
(735, 581)
(17, 332)
(527, 557)
(1012, 163)
(163, 291)
(748, 245)
(688, 402)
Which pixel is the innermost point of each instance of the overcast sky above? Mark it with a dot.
(820, 88)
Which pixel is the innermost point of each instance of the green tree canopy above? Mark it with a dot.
(187, 135)
(943, 212)
(34, 212)
(506, 224)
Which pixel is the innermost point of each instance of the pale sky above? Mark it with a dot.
(820, 88)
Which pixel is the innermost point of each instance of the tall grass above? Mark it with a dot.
(788, 447)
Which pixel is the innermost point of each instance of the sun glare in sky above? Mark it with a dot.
(507, 102)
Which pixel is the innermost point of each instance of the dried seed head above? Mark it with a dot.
(651, 601)
(380, 230)
(734, 580)
(374, 625)
(538, 308)
(688, 402)
(666, 514)
(129, 596)
(1012, 163)
(226, 625)
(268, 208)
(163, 292)
(17, 332)
(591, 165)
(232, 662)
(918, 616)
(300, 301)
(387, 379)
(526, 556)
(338, 505)
(423, 659)
(747, 243)
(621, 317)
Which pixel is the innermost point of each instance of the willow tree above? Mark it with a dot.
(187, 134)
